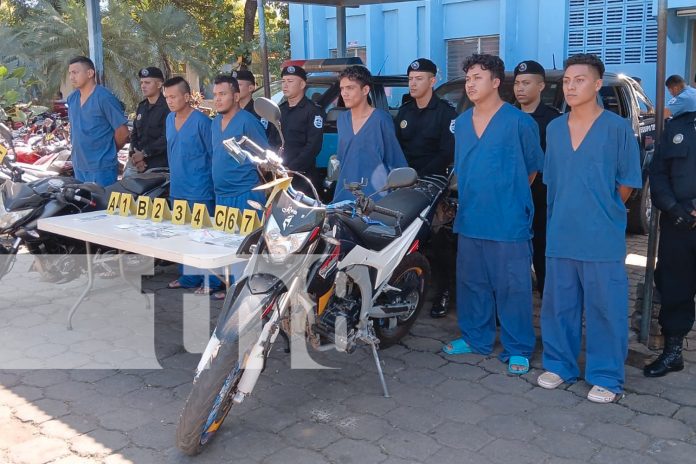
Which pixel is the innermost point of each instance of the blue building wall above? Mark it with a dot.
(396, 33)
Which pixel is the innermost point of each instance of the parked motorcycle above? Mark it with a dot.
(336, 276)
(59, 258)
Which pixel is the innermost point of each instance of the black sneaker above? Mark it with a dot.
(440, 307)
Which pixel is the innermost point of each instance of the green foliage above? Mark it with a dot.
(204, 34)
(13, 90)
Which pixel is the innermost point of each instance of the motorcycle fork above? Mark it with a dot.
(256, 359)
(12, 256)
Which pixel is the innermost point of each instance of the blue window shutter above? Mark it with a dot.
(618, 31)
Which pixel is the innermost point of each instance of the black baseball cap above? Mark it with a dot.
(294, 71)
(422, 65)
(151, 71)
(530, 67)
(244, 75)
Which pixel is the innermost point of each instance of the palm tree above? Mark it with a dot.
(50, 36)
(173, 37)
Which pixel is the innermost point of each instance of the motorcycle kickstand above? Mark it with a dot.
(286, 339)
(379, 370)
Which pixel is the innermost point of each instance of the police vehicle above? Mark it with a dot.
(620, 94)
(386, 92)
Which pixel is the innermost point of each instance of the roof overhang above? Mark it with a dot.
(348, 3)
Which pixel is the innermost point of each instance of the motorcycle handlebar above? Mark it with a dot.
(70, 195)
(386, 211)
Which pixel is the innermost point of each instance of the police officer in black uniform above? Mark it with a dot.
(148, 142)
(302, 123)
(247, 85)
(528, 85)
(425, 124)
(425, 130)
(673, 189)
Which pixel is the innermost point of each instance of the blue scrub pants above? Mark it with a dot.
(494, 277)
(601, 288)
(196, 277)
(103, 177)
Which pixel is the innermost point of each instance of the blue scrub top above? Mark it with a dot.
(370, 154)
(190, 152)
(229, 177)
(684, 102)
(586, 216)
(92, 127)
(495, 201)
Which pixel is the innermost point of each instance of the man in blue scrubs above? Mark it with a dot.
(592, 164)
(367, 145)
(497, 155)
(189, 150)
(97, 125)
(683, 97)
(233, 182)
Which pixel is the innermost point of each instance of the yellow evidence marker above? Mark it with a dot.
(200, 217)
(143, 207)
(250, 222)
(160, 210)
(181, 214)
(114, 202)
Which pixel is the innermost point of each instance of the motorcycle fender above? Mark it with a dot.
(243, 308)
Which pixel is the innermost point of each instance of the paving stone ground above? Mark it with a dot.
(99, 396)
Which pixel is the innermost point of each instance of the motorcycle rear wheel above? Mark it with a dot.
(413, 270)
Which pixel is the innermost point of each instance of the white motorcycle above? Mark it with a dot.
(332, 276)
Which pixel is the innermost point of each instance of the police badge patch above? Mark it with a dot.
(415, 65)
(318, 122)
(452, 126)
(144, 72)
(679, 138)
(403, 124)
(291, 69)
(264, 123)
(234, 74)
(522, 67)
(140, 115)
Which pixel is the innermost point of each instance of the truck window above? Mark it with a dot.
(611, 100)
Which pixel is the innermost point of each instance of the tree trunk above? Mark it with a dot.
(249, 22)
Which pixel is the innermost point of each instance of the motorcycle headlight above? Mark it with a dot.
(279, 246)
(8, 218)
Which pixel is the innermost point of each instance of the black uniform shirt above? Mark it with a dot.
(250, 108)
(543, 115)
(149, 135)
(302, 127)
(271, 132)
(673, 168)
(426, 135)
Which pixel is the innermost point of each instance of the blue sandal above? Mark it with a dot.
(458, 346)
(518, 361)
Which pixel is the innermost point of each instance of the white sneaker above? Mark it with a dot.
(601, 395)
(549, 380)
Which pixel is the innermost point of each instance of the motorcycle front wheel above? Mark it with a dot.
(210, 399)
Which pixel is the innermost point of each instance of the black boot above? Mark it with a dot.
(440, 306)
(669, 361)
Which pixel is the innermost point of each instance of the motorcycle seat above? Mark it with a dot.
(140, 184)
(409, 202)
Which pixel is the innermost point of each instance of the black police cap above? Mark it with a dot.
(530, 67)
(422, 65)
(151, 71)
(294, 71)
(244, 75)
